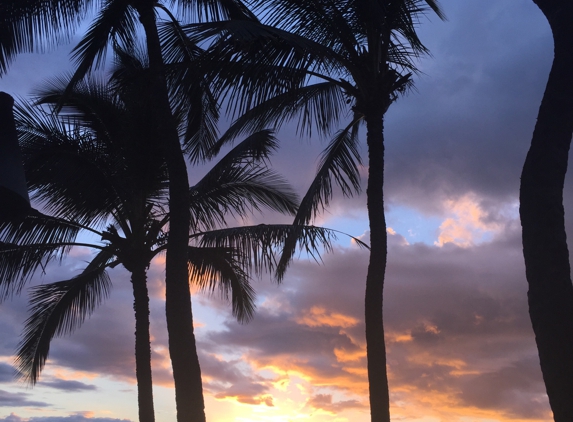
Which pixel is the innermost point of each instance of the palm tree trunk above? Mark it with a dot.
(545, 250)
(375, 346)
(182, 346)
(142, 345)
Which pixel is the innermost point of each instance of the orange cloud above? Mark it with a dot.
(318, 316)
(468, 223)
(343, 355)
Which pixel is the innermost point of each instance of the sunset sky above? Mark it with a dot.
(460, 344)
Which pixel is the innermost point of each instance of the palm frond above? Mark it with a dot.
(220, 268)
(89, 106)
(327, 22)
(317, 105)
(260, 245)
(28, 244)
(58, 309)
(28, 25)
(129, 64)
(208, 10)
(38, 228)
(339, 162)
(258, 146)
(240, 183)
(192, 100)
(87, 161)
(239, 191)
(263, 45)
(116, 20)
(63, 167)
(406, 15)
(19, 263)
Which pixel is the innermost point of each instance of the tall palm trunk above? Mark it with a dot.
(142, 344)
(545, 250)
(182, 347)
(375, 346)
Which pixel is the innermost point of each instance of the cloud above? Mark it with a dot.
(468, 126)
(247, 394)
(78, 417)
(68, 385)
(456, 322)
(8, 399)
(515, 389)
(325, 402)
(469, 224)
(319, 316)
(7, 373)
(12, 418)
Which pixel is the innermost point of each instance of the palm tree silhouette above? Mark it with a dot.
(31, 25)
(319, 60)
(96, 168)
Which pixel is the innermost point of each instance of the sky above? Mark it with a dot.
(460, 344)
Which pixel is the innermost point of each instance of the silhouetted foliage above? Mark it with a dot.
(318, 61)
(95, 167)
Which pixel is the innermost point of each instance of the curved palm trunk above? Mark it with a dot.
(182, 346)
(545, 250)
(142, 345)
(375, 346)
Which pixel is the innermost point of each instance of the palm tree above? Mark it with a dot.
(26, 25)
(104, 145)
(313, 59)
(83, 168)
(541, 210)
